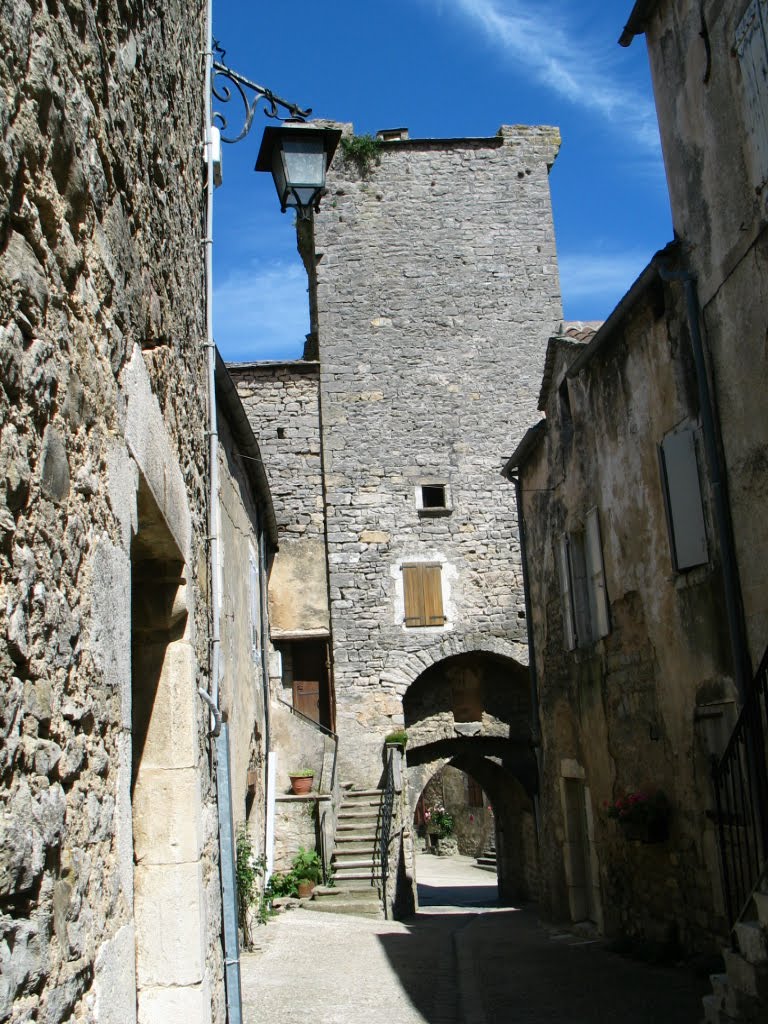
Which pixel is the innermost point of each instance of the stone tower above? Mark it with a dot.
(434, 285)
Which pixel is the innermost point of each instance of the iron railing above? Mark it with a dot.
(740, 780)
(385, 831)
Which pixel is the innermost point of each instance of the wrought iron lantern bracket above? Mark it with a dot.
(227, 83)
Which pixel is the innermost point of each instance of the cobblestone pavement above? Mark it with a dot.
(460, 960)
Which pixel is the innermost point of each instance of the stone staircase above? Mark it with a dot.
(487, 859)
(355, 859)
(741, 993)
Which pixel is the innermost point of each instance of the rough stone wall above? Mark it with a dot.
(101, 303)
(472, 825)
(713, 133)
(281, 400)
(622, 710)
(436, 287)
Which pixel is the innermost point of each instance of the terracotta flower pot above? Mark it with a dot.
(301, 784)
(305, 888)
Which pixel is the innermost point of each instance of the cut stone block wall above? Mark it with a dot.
(436, 286)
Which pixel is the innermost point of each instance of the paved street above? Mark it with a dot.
(461, 960)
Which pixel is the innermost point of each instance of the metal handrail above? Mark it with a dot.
(740, 781)
(387, 805)
(300, 714)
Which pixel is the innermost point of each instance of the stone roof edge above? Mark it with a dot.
(622, 310)
(229, 399)
(272, 364)
(641, 14)
(531, 440)
(556, 341)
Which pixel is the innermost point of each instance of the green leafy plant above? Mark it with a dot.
(248, 870)
(362, 151)
(302, 773)
(399, 736)
(307, 866)
(281, 883)
(439, 821)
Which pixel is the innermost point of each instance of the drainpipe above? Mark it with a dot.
(535, 723)
(221, 736)
(733, 605)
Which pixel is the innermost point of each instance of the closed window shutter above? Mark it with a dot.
(423, 595)
(564, 572)
(433, 595)
(598, 598)
(682, 495)
(413, 593)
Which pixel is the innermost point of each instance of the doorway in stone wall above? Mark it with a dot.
(455, 842)
(169, 907)
(469, 745)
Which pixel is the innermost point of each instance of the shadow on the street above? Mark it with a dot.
(511, 967)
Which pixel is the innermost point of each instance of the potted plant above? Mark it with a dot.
(307, 869)
(642, 816)
(301, 781)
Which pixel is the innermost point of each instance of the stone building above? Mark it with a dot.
(110, 888)
(631, 654)
(433, 288)
(641, 496)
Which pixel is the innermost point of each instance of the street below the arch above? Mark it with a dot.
(462, 959)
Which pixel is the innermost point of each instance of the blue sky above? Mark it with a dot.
(443, 68)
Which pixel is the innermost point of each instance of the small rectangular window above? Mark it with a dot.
(433, 496)
(423, 595)
(682, 500)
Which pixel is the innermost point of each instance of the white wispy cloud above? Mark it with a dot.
(547, 41)
(261, 311)
(592, 283)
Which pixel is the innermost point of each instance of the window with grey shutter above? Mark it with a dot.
(598, 598)
(751, 48)
(682, 498)
(254, 588)
(564, 573)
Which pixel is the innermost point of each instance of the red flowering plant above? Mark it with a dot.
(640, 808)
(439, 821)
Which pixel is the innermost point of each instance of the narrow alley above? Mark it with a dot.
(460, 960)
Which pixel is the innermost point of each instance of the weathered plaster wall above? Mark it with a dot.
(281, 400)
(242, 644)
(716, 153)
(623, 709)
(436, 286)
(101, 374)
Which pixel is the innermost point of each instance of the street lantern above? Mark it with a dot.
(298, 156)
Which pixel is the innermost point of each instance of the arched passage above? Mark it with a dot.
(472, 711)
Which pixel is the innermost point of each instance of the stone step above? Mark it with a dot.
(369, 907)
(351, 855)
(355, 793)
(761, 903)
(487, 867)
(486, 860)
(365, 864)
(356, 816)
(351, 838)
(347, 876)
(751, 979)
(751, 937)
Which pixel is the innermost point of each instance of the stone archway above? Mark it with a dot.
(472, 711)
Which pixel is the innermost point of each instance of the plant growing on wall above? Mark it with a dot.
(248, 870)
(642, 815)
(362, 151)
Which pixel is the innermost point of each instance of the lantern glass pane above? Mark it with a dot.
(304, 161)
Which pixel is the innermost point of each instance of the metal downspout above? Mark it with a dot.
(221, 734)
(535, 722)
(734, 612)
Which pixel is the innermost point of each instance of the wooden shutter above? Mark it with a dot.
(564, 572)
(433, 595)
(598, 598)
(423, 595)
